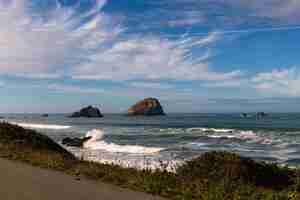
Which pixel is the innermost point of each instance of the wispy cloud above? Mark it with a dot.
(73, 89)
(226, 84)
(33, 75)
(91, 45)
(151, 85)
(33, 45)
(152, 58)
(229, 12)
(283, 82)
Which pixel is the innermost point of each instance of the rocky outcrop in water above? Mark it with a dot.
(261, 115)
(90, 112)
(147, 107)
(75, 142)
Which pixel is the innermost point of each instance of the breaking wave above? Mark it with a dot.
(96, 143)
(41, 126)
(210, 130)
(245, 135)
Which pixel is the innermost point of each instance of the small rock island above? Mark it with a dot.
(88, 112)
(147, 107)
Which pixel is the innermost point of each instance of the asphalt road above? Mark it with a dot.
(23, 182)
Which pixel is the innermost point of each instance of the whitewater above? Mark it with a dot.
(96, 143)
(168, 141)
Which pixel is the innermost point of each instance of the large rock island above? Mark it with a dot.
(89, 112)
(147, 107)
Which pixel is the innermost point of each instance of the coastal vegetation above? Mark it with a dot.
(212, 176)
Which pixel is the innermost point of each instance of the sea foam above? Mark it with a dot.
(96, 143)
(41, 126)
(220, 130)
(244, 135)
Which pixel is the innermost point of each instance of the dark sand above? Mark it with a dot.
(22, 182)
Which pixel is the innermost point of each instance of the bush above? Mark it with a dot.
(231, 168)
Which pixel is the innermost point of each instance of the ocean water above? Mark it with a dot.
(166, 141)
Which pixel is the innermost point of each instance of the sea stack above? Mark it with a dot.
(89, 112)
(147, 107)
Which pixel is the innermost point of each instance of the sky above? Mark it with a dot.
(194, 56)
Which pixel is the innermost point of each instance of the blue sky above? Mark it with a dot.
(195, 56)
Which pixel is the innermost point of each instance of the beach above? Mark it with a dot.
(23, 182)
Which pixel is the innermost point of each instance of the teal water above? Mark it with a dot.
(175, 137)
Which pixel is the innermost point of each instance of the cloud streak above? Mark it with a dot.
(59, 88)
(33, 45)
(282, 82)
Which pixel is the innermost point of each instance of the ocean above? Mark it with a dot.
(167, 141)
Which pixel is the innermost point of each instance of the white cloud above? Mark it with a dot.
(187, 19)
(151, 85)
(285, 82)
(276, 74)
(287, 9)
(152, 58)
(90, 45)
(33, 46)
(39, 75)
(73, 89)
(226, 84)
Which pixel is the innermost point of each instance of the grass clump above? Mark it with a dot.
(17, 143)
(212, 176)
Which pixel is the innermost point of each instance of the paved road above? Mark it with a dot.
(22, 182)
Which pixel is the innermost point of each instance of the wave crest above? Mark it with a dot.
(42, 126)
(210, 130)
(244, 135)
(96, 143)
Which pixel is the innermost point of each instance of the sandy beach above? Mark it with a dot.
(19, 181)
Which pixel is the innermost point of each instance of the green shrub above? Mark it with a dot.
(230, 168)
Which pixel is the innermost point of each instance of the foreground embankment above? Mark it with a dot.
(212, 176)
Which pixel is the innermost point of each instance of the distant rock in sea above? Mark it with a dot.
(147, 107)
(260, 115)
(45, 115)
(75, 142)
(90, 112)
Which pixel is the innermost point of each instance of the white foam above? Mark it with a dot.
(140, 162)
(244, 135)
(95, 143)
(210, 130)
(41, 126)
(222, 136)
(250, 135)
